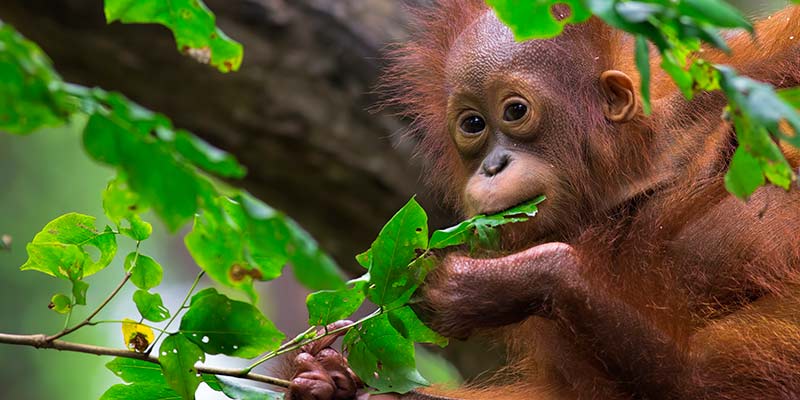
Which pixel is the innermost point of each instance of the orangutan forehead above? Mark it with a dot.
(487, 48)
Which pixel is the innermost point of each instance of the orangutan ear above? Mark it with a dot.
(620, 103)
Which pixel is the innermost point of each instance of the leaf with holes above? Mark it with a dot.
(150, 306)
(534, 19)
(131, 370)
(382, 357)
(177, 356)
(327, 306)
(220, 325)
(140, 391)
(400, 241)
(60, 248)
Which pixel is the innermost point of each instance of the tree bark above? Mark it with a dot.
(296, 114)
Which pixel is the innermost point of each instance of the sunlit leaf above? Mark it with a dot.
(59, 249)
(79, 289)
(137, 337)
(150, 306)
(122, 204)
(60, 303)
(530, 19)
(192, 24)
(146, 273)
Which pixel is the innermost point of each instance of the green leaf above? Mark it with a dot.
(365, 259)
(120, 203)
(60, 303)
(744, 175)
(791, 96)
(436, 369)
(716, 12)
(152, 170)
(146, 273)
(177, 356)
(483, 225)
(382, 357)
(400, 241)
(60, 248)
(150, 306)
(192, 24)
(405, 321)
(532, 19)
(31, 93)
(643, 64)
(79, 289)
(220, 325)
(131, 370)
(241, 240)
(207, 157)
(312, 267)
(140, 391)
(757, 111)
(238, 391)
(327, 306)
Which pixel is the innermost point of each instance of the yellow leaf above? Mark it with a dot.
(137, 336)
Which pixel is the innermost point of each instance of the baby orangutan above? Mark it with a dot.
(642, 278)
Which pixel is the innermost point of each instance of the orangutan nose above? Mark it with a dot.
(495, 163)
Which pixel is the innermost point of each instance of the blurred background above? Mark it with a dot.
(297, 115)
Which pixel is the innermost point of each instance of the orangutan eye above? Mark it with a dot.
(514, 112)
(473, 125)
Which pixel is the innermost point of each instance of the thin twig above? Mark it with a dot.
(294, 344)
(175, 314)
(102, 305)
(43, 342)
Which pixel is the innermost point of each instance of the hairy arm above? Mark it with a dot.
(466, 294)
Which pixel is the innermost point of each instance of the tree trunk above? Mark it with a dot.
(296, 114)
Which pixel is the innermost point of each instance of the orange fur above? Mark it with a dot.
(715, 277)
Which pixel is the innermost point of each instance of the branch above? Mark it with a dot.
(43, 342)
